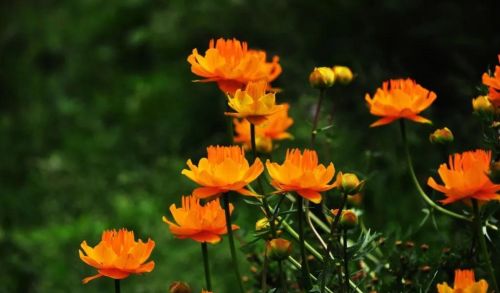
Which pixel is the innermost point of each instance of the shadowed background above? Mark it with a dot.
(98, 115)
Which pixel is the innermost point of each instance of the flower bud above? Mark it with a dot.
(322, 77)
(482, 106)
(348, 219)
(343, 74)
(179, 287)
(262, 224)
(349, 183)
(441, 136)
(355, 199)
(279, 248)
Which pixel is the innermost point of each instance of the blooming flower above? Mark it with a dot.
(232, 65)
(201, 223)
(225, 169)
(465, 282)
(117, 255)
(493, 83)
(254, 103)
(302, 173)
(466, 177)
(273, 129)
(400, 99)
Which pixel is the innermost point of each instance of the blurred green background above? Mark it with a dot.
(98, 115)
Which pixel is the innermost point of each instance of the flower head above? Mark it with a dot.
(322, 77)
(232, 65)
(273, 129)
(493, 84)
(201, 223)
(302, 173)
(224, 169)
(400, 99)
(465, 282)
(483, 106)
(466, 177)
(254, 103)
(117, 255)
(441, 136)
(343, 74)
(279, 248)
(348, 218)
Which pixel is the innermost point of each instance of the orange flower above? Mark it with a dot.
(200, 223)
(466, 177)
(273, 129)
(493, 83)
(465, 282)
(118, 255)
(254, 103)
(302, 173)
(400, 98)
(232, 65)
(225, 169)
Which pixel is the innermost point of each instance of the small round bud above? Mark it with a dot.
(279, 248)
(441, 136)
(343, 74)
(179, 287)
(348, 218)
(424, 247)
(349, 183)
(262, 224)
(355, 199)
(409, 244)
(398, 243)
(322, 78)
(482, 106)
(425, 269)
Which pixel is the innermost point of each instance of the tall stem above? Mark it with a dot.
(117, 286)
(346, 261)
(305, 265)
(283, 286)
(316, 116)
(204, 252)
(225, 200)
(482, 243)
(421, 192)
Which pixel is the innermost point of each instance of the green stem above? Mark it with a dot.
(346, 261)
(297, 265)
(482, 243)
(204, 252)
(316, 116)
(421, 192)
(225, 200)
(117, 286)
(305, 265)
(283, 286)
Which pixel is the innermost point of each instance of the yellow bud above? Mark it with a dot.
(322, 78)
(262, 224)
(348, 219)
(348, 182)
(279, 248)
(343, 74)
(264, 144)
(179, 287)
(441, 136)
(482, 105)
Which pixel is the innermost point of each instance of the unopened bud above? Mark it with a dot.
(322, 78)
(483, 106)
(279, 248)
(355, 199)
(349, 183)
(409, 244)
(262, 224)
(425, 269)
(441, 136)
(343, 74)
(424, 247)
(348, 219)
(179, 287)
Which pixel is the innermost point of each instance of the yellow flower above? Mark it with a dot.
(232, 65)
(254, 103)
(322, 77)
(273, 129)
(118, 255)
(225, 169)
(201, 223)
(302, 173)
(465, 282)
(483, 105)
(343, 74)
(400, 99)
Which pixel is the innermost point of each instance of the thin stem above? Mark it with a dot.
(225, 200)
(283, 286)
(421, 192)
(316, 116)
(117, 286)
(264, 270)
(305, 265)
(346, 261)
(482, 243)
(204, 252)
(313, 229)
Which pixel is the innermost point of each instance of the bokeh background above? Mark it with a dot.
(98, 115)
